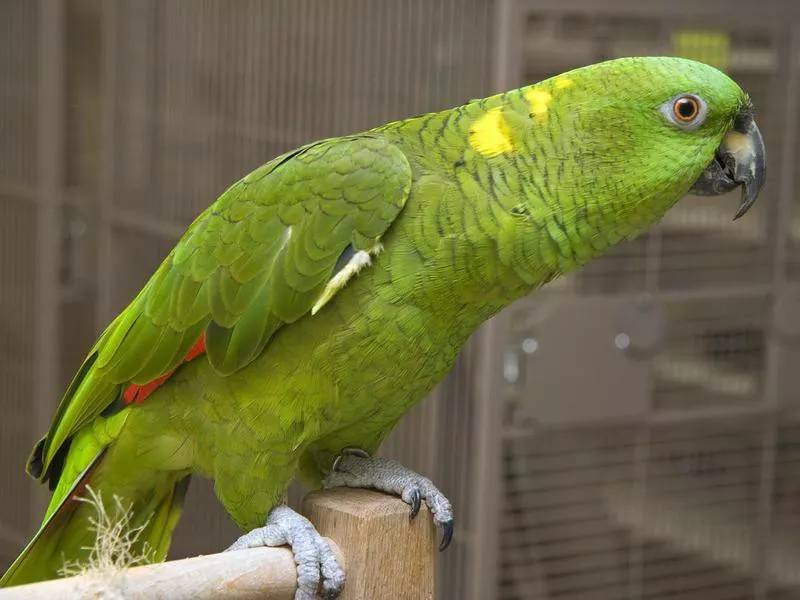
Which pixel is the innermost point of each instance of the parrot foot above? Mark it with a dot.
(314, 557)
(355, 468)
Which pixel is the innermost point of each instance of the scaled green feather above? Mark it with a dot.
(270, 237)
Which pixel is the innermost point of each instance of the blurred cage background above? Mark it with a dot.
(629, 432)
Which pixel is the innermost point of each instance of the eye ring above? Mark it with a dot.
(687, 111)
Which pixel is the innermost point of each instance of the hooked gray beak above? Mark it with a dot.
(739, 161)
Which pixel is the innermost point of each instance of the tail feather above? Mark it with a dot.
(67, 534)
(158, 532)
(43, 547)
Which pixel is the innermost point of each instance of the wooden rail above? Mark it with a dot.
(385, 557)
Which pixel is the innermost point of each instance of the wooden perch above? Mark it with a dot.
(385, 556)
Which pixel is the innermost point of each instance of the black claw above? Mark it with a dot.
(416, 503)
(331, 593)
(447, 535)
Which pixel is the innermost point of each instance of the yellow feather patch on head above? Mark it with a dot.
(490, 134)
(563, 83)
(539, 100)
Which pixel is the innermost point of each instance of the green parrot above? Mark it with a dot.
(320, 297)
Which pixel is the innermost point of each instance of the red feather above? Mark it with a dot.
(136, 394)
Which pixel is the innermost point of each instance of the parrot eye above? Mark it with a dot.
(686, 111)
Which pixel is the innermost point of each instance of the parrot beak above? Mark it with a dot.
(739, 161)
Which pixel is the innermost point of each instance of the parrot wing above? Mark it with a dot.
(276, 246)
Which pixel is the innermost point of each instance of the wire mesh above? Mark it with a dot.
(18, 68)
(714, 354)
(17, 262)
(557, 538)
(671, 497)
(18, 117)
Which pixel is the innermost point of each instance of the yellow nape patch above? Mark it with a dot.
(490, 134)
(539, 101)
(563, 83)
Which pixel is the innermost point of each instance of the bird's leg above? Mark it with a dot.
(316, 562)
(355, 468)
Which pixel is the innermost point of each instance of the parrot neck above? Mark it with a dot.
(558, 241)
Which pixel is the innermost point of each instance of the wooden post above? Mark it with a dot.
(385, 557)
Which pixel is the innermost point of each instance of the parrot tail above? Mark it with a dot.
(137, 524)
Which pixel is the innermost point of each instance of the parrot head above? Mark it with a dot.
(654, 129)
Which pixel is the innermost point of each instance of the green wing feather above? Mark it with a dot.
(256, 259)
